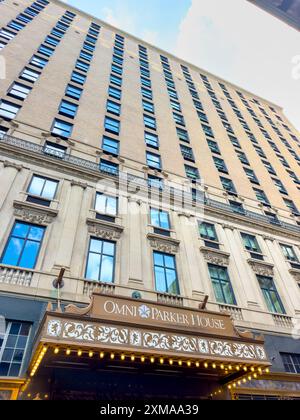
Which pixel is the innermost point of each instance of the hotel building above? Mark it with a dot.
(149, 222)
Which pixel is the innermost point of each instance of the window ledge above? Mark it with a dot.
(104, 230)
(33, 213)
(163, 243)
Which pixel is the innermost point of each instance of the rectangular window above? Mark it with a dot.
(220, 165)
(43, 187)
(250, 243)
(19, 91)
(117, 69)
(228, 186)
(86, 56)
(115, 80)
(114, 92)
(160, 219)
(55, 150)
(110, 146)
(68, 109)
(52, 41)
(101, 261)
(153, 161)
(106, 204)
(291, 362)
(183, 135)
(38, 62)
(81, 65)
(46, 50)
(4, 33)
(13, 346)
(30, 75)
(148, 107)
(208, 233)
(208, 130)
(78, 78)
(214, 147)
(292, 206)
(192, 173)
(243, 158)
(187, 153)
(62, 128)
(289, 253)
(112, 126)
(166, 280)
(8, 110)
(109, 168)
(280, 186)
(251, 176)
(175, 105)
(261, 196)
(271, 295)
(150, 122)
(147, 93)
(178, 119)
(269, 167)
(113, 108)
(222, 285)
(23, 245)
(73, 92)
(151, 140)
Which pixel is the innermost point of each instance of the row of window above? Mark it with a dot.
(20, 22)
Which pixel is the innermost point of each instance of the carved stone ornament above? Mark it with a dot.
(167, 245)
(215, 256)
(75, 183)
(33, 213)
(295, 274)
(8, 164)
(105, 230)
(262, 268)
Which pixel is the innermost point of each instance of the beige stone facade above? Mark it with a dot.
(71, 221)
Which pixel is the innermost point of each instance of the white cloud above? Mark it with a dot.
(245, 45)
(120, 18)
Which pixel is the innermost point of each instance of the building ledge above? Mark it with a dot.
(262, 268)
(104, 230)
(215, 256)
(163, 243)
(34, 213)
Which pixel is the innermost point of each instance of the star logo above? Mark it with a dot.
(144, 312)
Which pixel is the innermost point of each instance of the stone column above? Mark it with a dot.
(70, 225)
(8, 175)
(135, 242)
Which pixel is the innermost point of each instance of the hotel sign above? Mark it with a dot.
(149, 314)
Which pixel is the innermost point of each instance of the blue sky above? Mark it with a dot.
(232, 39)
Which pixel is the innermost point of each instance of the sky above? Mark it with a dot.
(232, 39)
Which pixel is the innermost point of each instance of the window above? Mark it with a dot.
(178, 119)
(261, 196)
(222, 285)
(208, 130)
(209, 234)
(220, 165)
(110, 145)
(243, 158)
(291, 362)
(148, 107)
(153, 161)
(78, 78)
(251, 175)
(13, 346)
(292, 206)
(7, 34)
(101, 261)
(86, 56)
(38, 62)
(23, 245)
(62, 128)
(192, 173)
(73, 92)
(146, 93)
(43, 187)
(109, 167)
(149, 122)
(3, 131)
(30, 75)
(187, 153)
(117, 69)
(52, 41)
(280, 186)
(19, 91)
(183, 135)
(113, 108)
(114, 93)
(165, 273)
(55, 150)
(46, 50)
(160, 219)
(228, 186)
(155, 182)
(202, 116)
(115, 80)
(68, 109)
(106, 204)
(81, 65)
(289, 253)
(175, 105)
(151, 140)
(8, 110)
(237, 207)
(271, 295)
(269, 167)
(251, 244)
(112, 126)
(214, 148)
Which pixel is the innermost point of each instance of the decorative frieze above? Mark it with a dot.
(105, 230)
(33, 213)
(296, 274)
(167, 245)
(215, 256)
(262, 268)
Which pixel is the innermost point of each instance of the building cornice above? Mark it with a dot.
(34, 213)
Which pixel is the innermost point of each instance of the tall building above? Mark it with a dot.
(149, 222)
(286, 10)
